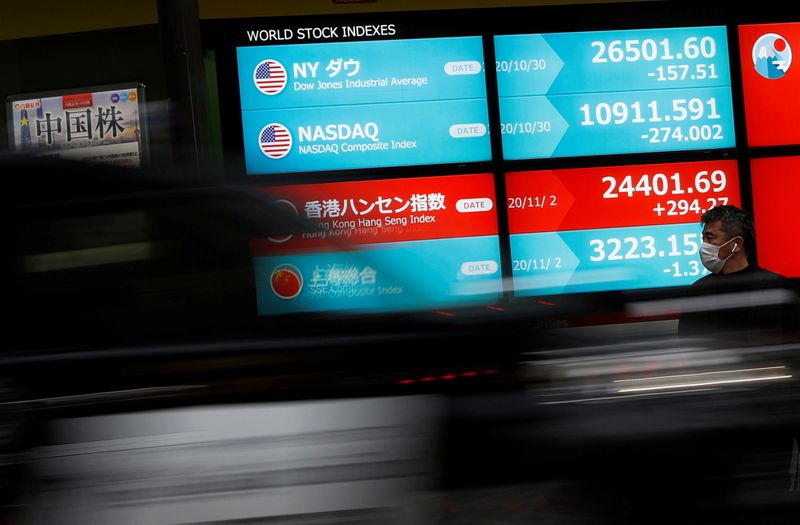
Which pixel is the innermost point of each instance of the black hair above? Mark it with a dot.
(734, 222)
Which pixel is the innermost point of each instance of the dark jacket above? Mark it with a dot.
(744, 306)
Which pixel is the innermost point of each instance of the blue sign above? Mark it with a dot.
(366, 136)
(612, 92)
(598, 61)
(622, 122)
(606, 259)
(345, 73)
(382, 277)
(353, 105)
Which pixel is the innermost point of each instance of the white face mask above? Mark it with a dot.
(709, 255)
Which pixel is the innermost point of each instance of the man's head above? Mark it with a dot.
(730, 229)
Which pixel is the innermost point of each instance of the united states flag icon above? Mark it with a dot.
(275, 140)
(270, 77)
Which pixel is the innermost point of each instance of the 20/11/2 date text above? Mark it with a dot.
(532, 264)
(532, 201)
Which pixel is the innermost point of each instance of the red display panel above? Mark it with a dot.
(776, 185)
(771, 83)
(379, 211)
(618, 196)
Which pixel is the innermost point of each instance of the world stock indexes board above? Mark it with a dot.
(382, 245)
(355, 105)
(614, 228)
(614, 92)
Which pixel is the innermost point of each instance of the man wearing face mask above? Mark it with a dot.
(737, 300)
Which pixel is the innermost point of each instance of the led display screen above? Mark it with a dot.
(613, 92)
(771, 83)
(614, 228)
(605, 139)
(355, 105)
(94, 125)
(776, 185)
(383, 245)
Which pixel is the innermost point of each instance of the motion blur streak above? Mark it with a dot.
(703, 383)
(618, 398)
(700, 374)
(720, 301)
(306, 462)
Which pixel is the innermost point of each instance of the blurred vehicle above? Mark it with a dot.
(133, 336)
(130, 293)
